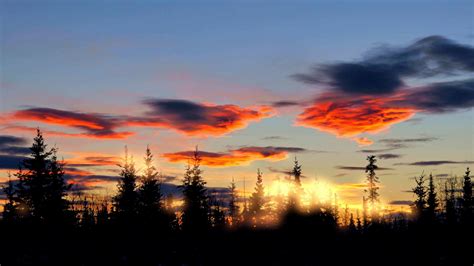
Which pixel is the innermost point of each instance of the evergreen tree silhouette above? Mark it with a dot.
(126, 199)
(41, 189)
(103, 215)
(297, 173)
(296, 189)
(257, 200)
(467, 200)
(372, 183)
(352, 226)
(217, 213)
(365, 218)
(87, 215)
(359, 222)
(233, 207)
(9, 208)
(450, 201)
(420, 192)
(432, 200)
(150, 208)
(195, 216)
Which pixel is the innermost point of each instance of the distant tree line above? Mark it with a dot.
(39, 198)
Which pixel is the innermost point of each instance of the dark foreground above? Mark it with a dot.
(287, 245)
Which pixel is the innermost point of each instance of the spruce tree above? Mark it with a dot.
(297, 173)
(420, 193)
(150, 207)
(467, 201)
(41, 188)
(432, 200)
(126, 200)
(257, 200)
(9, 208)
(233, 207)
(195, 216)
(352, 226)
(450, 201)
(372, 183)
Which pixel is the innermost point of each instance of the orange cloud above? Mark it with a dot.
(363, 141)
(241, 156)
(348, 117)
(186, 117)
(199, 119)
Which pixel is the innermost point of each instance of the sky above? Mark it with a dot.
(252, 84)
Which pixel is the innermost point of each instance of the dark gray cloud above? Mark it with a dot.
(401, 202)
(10, 161)
(6, 140)
(441, 97)
(397, 143)
(12, 145)
(286, 172)
(357, 168)
(407, 140)
(383, 70)
(440, 162)
(274, 138)
(285, 103)
(387, 156)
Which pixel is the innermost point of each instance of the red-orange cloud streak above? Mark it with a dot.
(349, 117)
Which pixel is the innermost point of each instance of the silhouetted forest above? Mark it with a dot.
(45, 223)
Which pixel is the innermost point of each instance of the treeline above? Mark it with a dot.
(44, 224)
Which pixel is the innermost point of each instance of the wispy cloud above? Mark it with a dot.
(235, 157)
(440, 162)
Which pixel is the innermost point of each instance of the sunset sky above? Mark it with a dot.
(252, 84)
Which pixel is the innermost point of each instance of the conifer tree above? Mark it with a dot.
(150, 207)
(467, 200)
(420, 193)
(195, 215)
(126, 200)
(233, 207)
(359, 222)
(103, 215)
(352, 226)
(365, 218)
(432, 200)
(297, 173)
(450, 201)
(9, 208)
(257, 200)
(372, 183)
(41, 189)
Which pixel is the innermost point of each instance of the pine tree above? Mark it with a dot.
(58, 205)
(372, 183)
(87, 215)
(103, 215)
(41, 189)
(365, 218)
(297, 173)
(257, 200)
(233, 207)
(126, 200)
(467, 200)
(150, 207)
(195, 215)
(9, 208)
(217, 213)
(359, 222)
(352, 226)
(450, 201)
(420, 192)
(432, 200)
